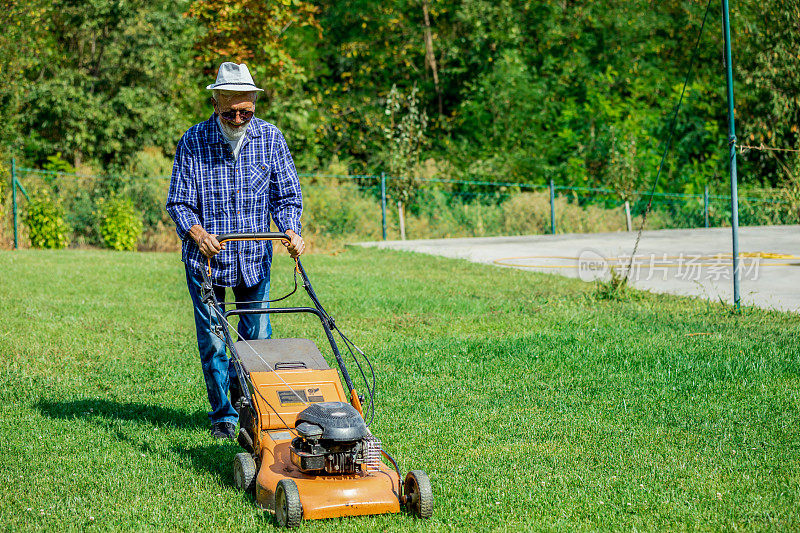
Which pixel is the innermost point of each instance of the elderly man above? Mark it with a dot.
(231, 174)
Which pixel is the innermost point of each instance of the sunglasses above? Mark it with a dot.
(244, 116)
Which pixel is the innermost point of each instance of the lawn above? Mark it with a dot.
(531, 403)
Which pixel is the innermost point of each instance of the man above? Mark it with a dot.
(231, 174)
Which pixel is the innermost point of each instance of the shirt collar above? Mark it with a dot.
(215, 136)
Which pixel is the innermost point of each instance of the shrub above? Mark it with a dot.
(119, 224)
(339, 210)
(44, 218)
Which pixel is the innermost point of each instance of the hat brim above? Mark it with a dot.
(243, 87)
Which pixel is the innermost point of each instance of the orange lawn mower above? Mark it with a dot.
(309, 451)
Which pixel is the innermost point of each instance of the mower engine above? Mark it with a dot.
(334, 439)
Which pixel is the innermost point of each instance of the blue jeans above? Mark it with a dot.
(218, 369)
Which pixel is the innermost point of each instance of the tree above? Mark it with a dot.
(108, 77)
(405, 136)
(254, 31)
(766, 38)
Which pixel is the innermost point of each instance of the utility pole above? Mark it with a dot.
(726, 30)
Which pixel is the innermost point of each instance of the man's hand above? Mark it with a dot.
(208, 243)
(296, 246)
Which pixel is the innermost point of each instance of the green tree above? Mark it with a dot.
(107, 78)
(405, 137)
(253, 31)
(766, 40)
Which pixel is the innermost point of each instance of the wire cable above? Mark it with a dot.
(372, 389)
(222, 317)
(669, 142)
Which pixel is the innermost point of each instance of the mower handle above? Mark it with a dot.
(256, 236)
(327, 321)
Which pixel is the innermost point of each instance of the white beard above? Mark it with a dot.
(233, 134)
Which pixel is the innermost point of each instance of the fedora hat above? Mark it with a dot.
(233, 77)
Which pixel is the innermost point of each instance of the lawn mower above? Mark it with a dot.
(309, 452)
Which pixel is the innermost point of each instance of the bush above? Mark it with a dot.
(339, 210)
(149, 186)
(119, 224)
(529, 213)
(44, 218)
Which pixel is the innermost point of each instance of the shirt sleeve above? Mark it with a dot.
(285, 197)
(182, 197)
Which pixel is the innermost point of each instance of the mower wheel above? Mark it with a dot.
(244, 472)
(418, 494)
(288, 509)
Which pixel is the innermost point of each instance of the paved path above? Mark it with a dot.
(689, 262)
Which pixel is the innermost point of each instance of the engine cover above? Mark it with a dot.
(339, 421)
(332, 438)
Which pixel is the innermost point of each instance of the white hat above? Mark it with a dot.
(233, 77)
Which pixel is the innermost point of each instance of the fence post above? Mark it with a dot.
(552, 208)
(383, 204)
(705, 205)
(14, 198)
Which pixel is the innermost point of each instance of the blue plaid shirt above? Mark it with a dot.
(223, 195)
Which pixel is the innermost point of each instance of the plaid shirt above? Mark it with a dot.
(223, 195)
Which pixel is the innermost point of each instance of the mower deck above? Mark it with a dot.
(279, 399)
(326, 496)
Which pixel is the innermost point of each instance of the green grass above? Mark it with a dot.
(530, 403)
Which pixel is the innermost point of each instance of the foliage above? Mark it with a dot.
(338, 211)
(405, 139)
(614, 288)
(790, 189)
(44, 218)
(253, 31)
(527, 91)
(120, 226)
(147, 186)
(56, 163)
(623, 174)
(768, 66)
(100, 78)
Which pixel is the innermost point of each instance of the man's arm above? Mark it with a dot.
(182, 204)
(207, 242)
(182, 197)
(285, 197)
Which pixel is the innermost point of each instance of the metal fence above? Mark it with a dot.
(757, 206)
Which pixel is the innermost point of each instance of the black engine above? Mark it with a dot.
(334, 439)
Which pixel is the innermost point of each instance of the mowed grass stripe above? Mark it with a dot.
(530, 403)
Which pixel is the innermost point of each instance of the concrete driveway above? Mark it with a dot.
(693, 262)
